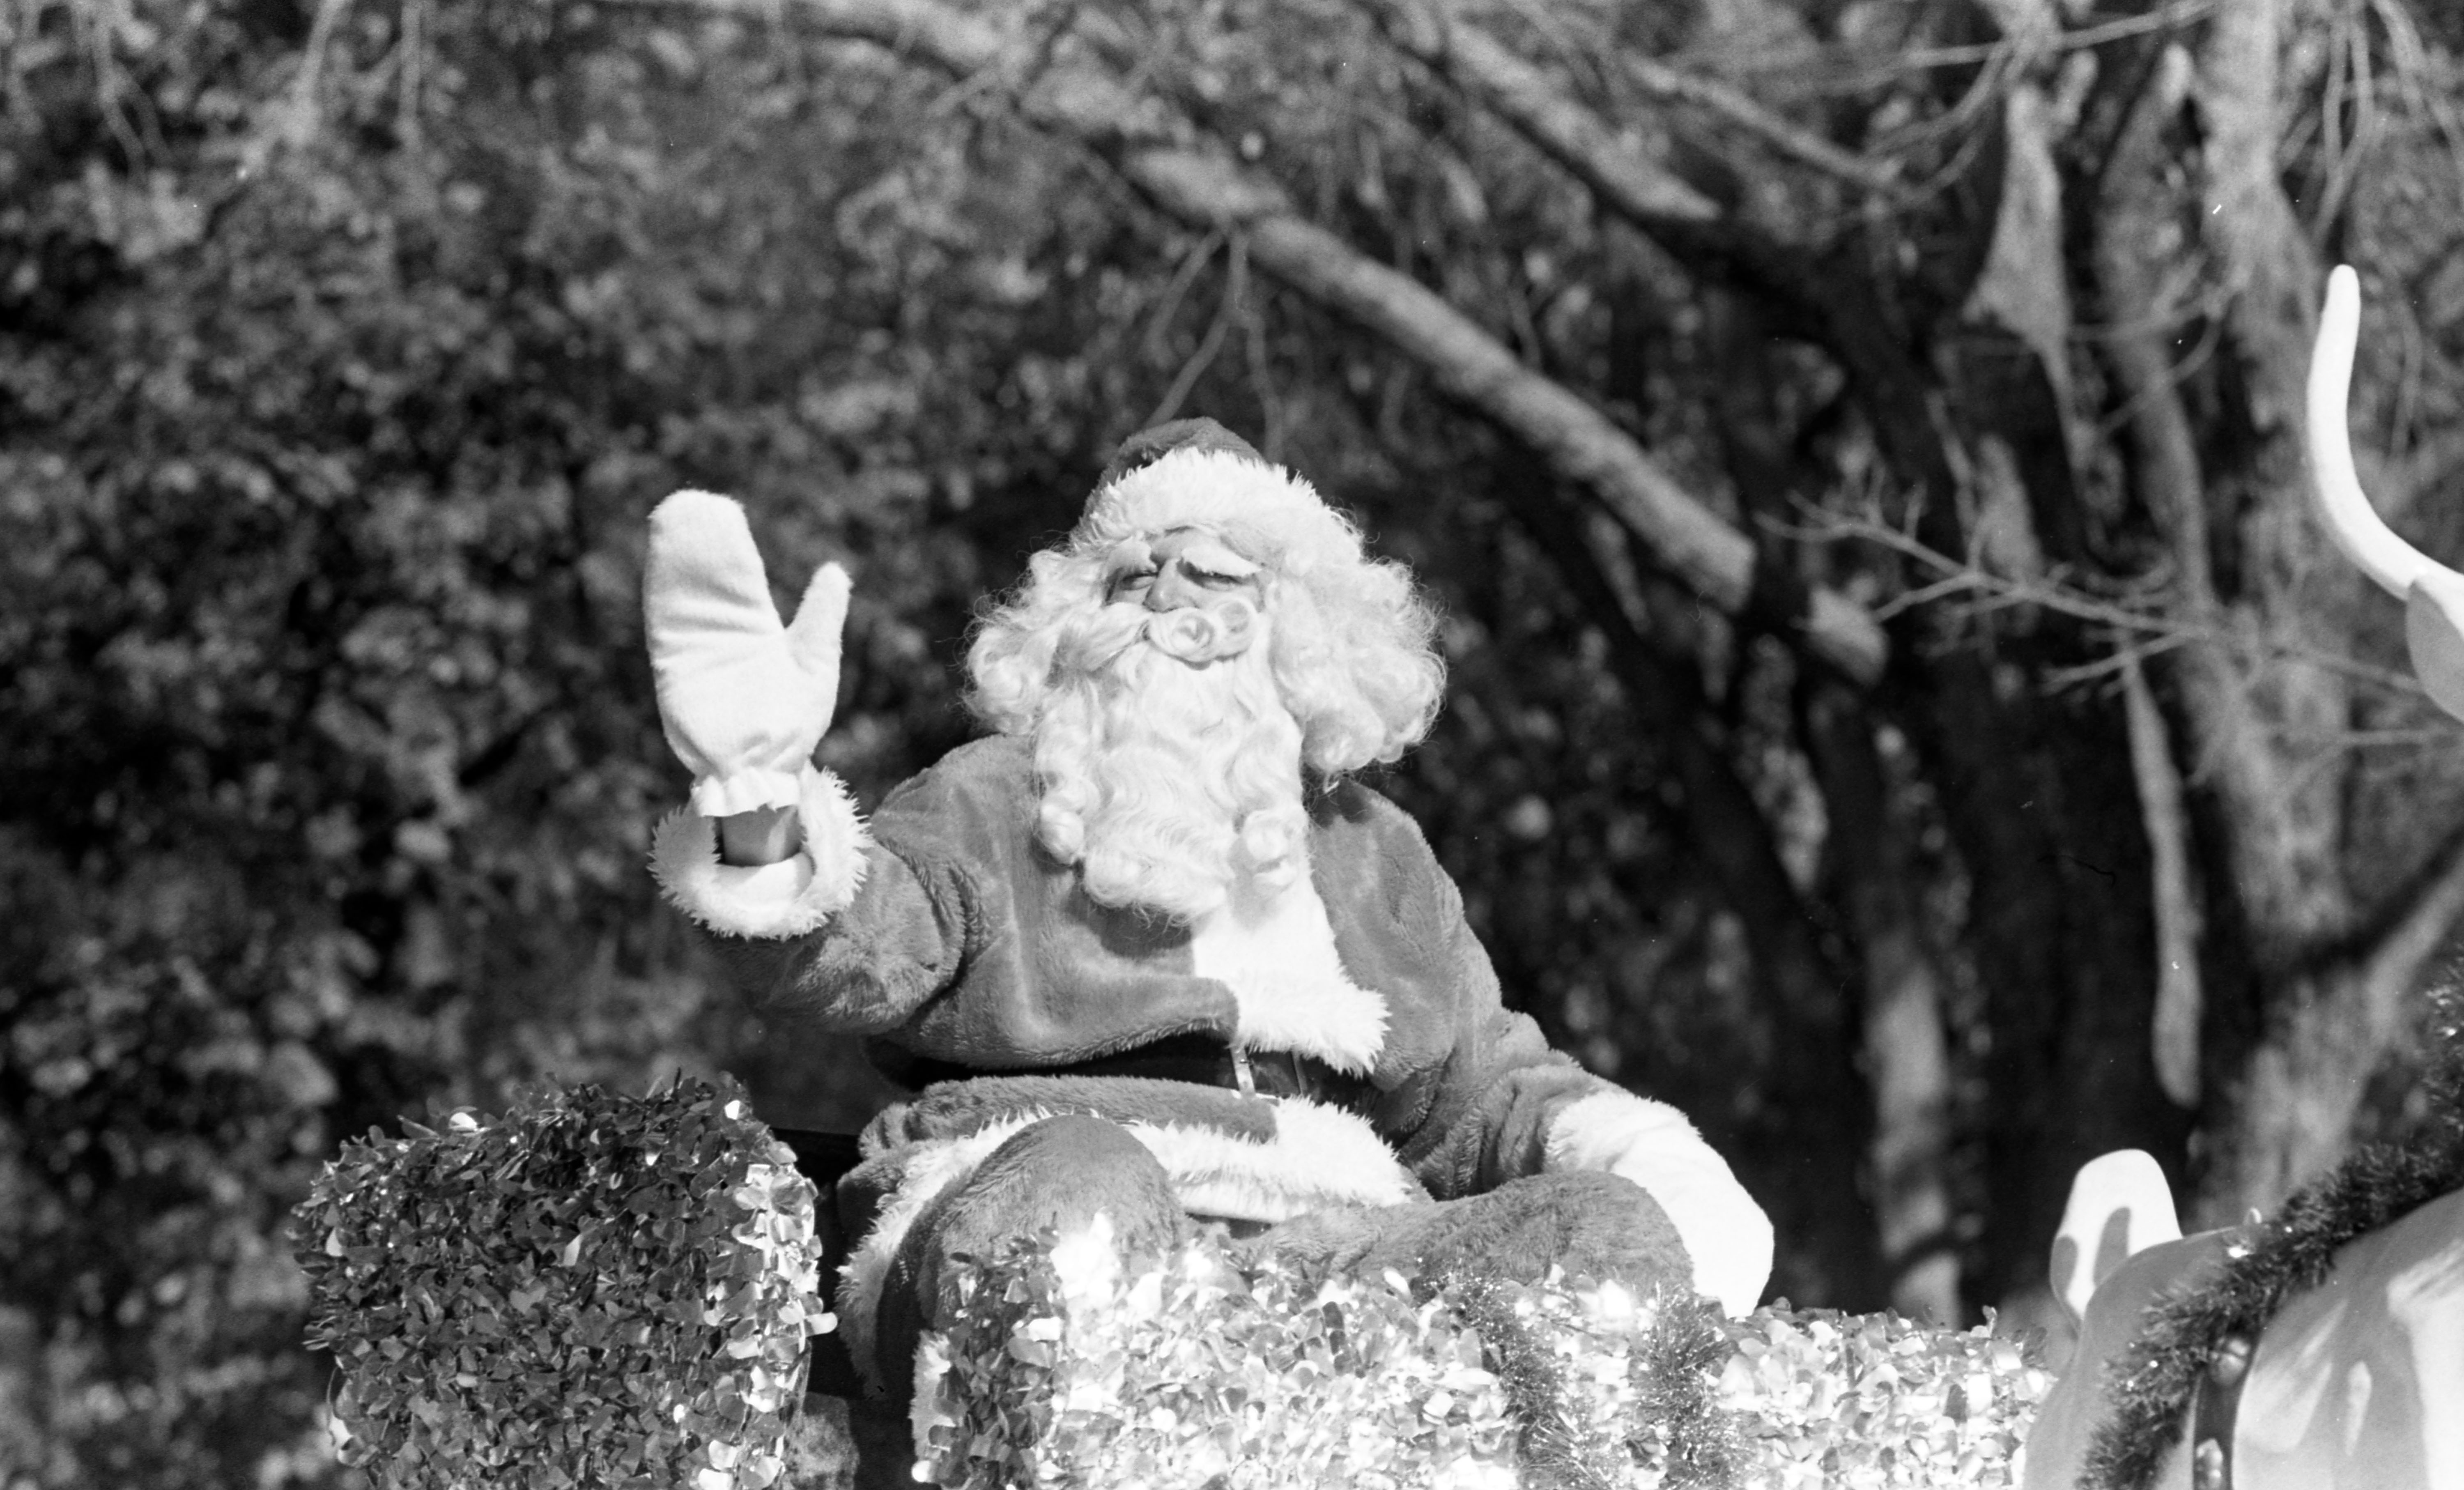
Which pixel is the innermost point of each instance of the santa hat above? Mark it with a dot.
(1196, 473)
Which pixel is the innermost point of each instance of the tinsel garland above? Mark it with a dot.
(1676, 1378)
(2153, 1382)
(1534, 1385)
(1678, 1423)
(1063, 1367)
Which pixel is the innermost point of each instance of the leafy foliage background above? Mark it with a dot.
(593, 1289)
(329, 409)
(344, 344)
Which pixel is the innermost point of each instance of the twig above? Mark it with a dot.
(2162, 631)
(1783, 138)
(2420, 928)
(414, 49)
(2123, 656)
(2409, 58)
(95, 31)
(1537, 107)
(1262, 381)
(2174, 1033)
(1991, 81)
(2176, 374)
(2208, 303)
(2172, 16)
(1236, 284)
(2343, 159)
(304, 110)
(1014, 76)
(1182, 277)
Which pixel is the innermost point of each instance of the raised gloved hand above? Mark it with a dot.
(743, 698)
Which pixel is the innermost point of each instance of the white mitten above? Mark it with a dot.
(743, 698)
(1726, 1235)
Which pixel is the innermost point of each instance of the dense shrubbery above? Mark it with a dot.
(330, 403)
(589, 1290)
(330, 757)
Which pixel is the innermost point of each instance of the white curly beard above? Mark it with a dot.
(1167, 783)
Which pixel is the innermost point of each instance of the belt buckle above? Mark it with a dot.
(1243, 1076)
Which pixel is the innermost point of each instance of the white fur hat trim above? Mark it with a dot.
(1223, 489)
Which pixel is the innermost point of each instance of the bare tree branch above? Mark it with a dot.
(2023, 286)
(1628, 181)
(2333, 1029)
(1868, 843)
(2175, 1035)
(2165, 18)
(2285, 839)
(1235, 288)
(2140, 628)
(1782, 138)
(2396, 484)
(2422, 924)
(1799, 981)
(1168, 158)
(1537, 106)
(1838, 311)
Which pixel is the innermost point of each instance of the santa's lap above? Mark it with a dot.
(1065, 1175)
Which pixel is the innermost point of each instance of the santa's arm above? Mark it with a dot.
(769, 852)
(1503, 1105)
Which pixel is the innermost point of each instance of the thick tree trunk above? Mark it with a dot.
(2333, 1026)
(1805, 1161)
(2060, 888)
(2039, 798)
(1903, 1033)
(2258, 724)
(1867, 840)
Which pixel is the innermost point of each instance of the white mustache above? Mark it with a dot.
(1195, 635)
(1091, 644)
(1202, 634)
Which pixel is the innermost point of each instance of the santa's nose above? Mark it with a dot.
(1172, 588)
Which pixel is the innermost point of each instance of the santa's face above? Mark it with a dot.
(1179, 680)
(1170, 762)
(1176, 682)
(1203, 600)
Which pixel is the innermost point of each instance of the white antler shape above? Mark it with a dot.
(2432, 594)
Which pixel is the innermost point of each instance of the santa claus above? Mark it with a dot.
(1150, 950)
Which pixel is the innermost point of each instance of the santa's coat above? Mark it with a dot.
(954, 939)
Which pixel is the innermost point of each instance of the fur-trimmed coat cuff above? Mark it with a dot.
(1725, 1234)
(790, 898)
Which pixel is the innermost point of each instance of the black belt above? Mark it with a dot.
(1204, 1059)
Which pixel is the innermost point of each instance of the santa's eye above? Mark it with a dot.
(1217, 584)
(1131, 582)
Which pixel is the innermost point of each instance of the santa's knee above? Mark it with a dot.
(1065, 1177)
(1058, 1172)
(1592, 1227)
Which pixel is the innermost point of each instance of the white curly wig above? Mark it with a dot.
(1351, 642)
